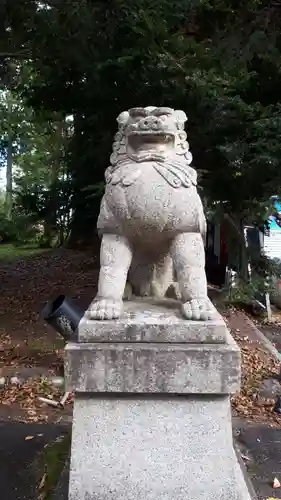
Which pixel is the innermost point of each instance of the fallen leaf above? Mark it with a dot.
(276, 483)
(42, 482)
(28, 438)
(257, 365)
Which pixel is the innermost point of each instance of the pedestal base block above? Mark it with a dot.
(150, 449)
(152, 416)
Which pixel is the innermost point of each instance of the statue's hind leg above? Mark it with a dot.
(188, 255)
(115, 260)
(151, 274)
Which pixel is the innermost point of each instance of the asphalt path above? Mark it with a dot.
(262, 445)
(19, 472)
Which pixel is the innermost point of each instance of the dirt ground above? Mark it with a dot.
(26, 285)
(28, 343)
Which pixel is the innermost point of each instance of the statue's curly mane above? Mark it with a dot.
(119, 151)
(175, 168)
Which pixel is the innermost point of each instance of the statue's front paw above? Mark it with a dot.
(105, 309)
(197, 309)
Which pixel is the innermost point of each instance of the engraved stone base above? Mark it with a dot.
(152, 418)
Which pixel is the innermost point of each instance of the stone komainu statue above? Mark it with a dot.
(151, 217)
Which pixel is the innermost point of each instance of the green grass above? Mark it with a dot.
(10, 252)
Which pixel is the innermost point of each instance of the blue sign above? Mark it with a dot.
(274, 220)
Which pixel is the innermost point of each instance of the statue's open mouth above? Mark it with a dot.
(157, 142)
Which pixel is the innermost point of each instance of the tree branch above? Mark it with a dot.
(15, 55)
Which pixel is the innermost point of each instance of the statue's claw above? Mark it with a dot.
(197, 309)
(105, 309)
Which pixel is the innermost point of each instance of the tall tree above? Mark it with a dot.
(218, 60)
(12, 132)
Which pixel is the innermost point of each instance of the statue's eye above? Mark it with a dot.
(163, 118)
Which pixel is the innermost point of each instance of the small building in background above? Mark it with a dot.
(266, 242)
(271, 239)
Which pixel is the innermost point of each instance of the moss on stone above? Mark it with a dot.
(52, 461)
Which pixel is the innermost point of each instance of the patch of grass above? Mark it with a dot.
(45, 345)
(53, 460)
(10, 252)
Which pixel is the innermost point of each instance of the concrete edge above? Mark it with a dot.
(247, 479)
(273, 351)
(18, 380)
(264, 340)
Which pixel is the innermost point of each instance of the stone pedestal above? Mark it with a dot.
(152, 417)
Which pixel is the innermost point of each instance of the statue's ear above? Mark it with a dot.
(123, 118)
(180, 116)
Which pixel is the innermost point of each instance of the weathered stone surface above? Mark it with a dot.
(153, 368)
(152, 415)
(269, 389)
(151, 217)
(151, 449)
(150, 320)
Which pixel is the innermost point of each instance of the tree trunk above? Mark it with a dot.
(238, 245)
(9, 167)
(244, 257)
(9, 178)
(50, 226)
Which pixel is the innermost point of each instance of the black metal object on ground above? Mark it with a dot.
(64, 316)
